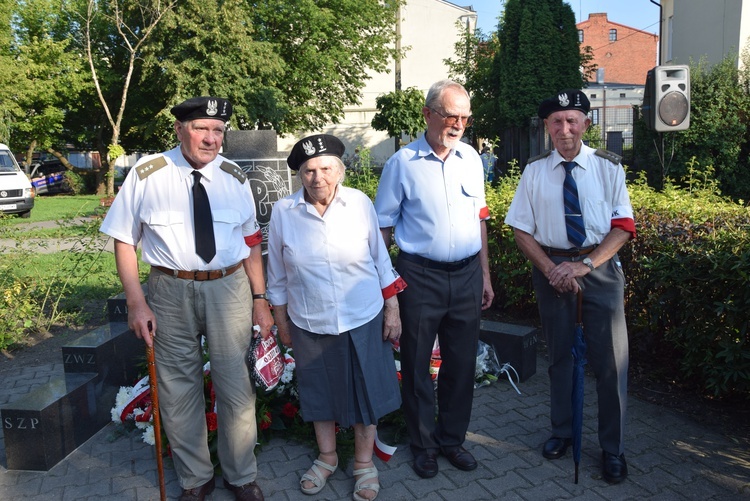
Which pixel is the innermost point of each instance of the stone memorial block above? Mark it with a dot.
(117, 308)
(513, 344)
(111, 351)
(270, 178)
(49, 423)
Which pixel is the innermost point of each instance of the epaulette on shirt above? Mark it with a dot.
(539, 157)
(147, 168)
(234, 170)
(612, 157)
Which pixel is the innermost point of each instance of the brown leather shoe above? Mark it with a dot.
(246, 492)
(198, 493)
(460, 458)
(425, 464)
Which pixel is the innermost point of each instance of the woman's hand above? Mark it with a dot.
(282, 325)
(391, 320)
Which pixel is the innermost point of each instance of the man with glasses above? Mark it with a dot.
(193, 212)
(431, 195)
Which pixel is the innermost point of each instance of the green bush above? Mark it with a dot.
(687, 293)
(510, 270)
(75, 182)
(363, 178)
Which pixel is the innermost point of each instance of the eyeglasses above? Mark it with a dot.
(452, 120)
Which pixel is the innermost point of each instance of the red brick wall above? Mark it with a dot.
(626, 60)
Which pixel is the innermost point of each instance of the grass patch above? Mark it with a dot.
(60, 207)
(41, 290)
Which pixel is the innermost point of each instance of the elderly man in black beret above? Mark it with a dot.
(571, 214)
(193, 213)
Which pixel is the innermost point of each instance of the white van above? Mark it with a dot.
(16, 193)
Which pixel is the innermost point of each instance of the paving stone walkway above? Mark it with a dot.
(670, 457)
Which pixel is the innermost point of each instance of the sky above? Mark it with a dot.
(639, 14)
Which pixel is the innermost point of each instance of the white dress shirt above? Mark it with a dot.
(537, 206)
(330, 270)
(158, 212)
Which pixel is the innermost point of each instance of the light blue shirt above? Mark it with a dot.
(435, 206)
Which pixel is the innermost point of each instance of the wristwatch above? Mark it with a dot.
(260, 296)
(587, 262)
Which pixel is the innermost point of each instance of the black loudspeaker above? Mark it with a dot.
(666, 98)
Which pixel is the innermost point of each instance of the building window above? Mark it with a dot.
(593, 96)
(612, 35)
(622, 95)
(594, 116)
(580, 36)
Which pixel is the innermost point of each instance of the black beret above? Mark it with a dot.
(568, 99)
(314, 146)
(203, 107)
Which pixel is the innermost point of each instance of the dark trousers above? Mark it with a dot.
(446, 303)
(606, 338)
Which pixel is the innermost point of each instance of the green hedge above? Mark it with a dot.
(687, 294)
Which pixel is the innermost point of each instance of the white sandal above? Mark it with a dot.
(367, 474)
(317, 478)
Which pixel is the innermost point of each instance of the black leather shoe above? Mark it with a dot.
(555, 447)
(198, 493)
(614, 468)
(425, 464)
(246, 492)
(460, 458)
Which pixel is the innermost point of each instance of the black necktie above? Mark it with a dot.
(573, 217)
(205, 246)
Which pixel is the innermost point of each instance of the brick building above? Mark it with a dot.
(625, 54)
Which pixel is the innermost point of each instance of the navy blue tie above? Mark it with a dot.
(573, 217)
(205, 245)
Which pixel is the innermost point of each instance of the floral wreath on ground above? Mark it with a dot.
(278, 410)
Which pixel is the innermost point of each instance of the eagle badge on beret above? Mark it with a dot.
(314, 146)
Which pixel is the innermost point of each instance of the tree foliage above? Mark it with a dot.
(285, 65)
(49, 76)
(400, 112)
(473, 67)
(539, 54)
(327, 47)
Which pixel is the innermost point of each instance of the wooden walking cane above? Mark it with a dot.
(151, 362)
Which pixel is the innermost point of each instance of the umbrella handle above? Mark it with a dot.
(580, 306)
(151, 362)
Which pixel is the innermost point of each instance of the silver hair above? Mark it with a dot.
(435, 93)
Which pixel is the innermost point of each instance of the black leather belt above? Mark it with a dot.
(200, 276)
(574, 252)
(437, 265)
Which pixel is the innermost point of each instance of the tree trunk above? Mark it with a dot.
(61, 158)
(29, 157)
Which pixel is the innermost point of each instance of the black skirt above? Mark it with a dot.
(349, 378)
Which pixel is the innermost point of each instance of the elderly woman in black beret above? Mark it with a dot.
(333, 289)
